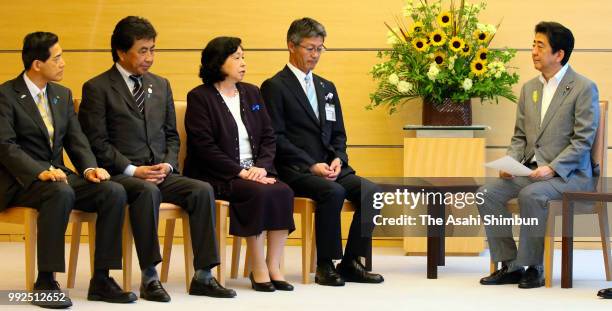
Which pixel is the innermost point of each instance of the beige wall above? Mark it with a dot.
(375, 139)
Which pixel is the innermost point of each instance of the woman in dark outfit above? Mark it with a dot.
(231, 144)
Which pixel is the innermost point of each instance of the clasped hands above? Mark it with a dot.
(95, 175)
(539, 174)
(329, 172)
(256, 174)
(153, 173)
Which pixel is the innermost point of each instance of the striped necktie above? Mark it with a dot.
(312, 95)
(43, 108)
(138, 92)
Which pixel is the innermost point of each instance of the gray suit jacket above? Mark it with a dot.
(118, 133)
(564, 138)
(24, 140)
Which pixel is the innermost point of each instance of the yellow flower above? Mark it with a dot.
(456, 44)
(534, 96)
(437, 37)
(478, 67)
(466, 50)
(416, 28)
(420, 44)
(439, 57)
(481, 36)
(482, 54)
(445, 19)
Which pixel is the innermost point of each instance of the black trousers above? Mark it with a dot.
(330, 196)
(194, 196)
(55, 200)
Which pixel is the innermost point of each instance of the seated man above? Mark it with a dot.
(556, 120)
(311, 154)
(37, 121)
(128, 115)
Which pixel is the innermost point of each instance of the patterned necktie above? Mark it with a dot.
(312, 95)
(138, 93)
(43, 108)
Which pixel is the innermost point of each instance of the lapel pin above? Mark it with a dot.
(534, 96)
(23, 96)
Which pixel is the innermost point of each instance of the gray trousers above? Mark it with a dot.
(533, 198)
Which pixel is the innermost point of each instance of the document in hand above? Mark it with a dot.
(509, 165)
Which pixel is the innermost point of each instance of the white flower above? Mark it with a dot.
(404, 87)
(408, 8)
(481, 27)
(393, 79)
(491, 29)
(498, 74)
(467, 84)
(433, 72)
(392, 37)
(451, 62)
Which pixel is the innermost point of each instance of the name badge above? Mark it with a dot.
(330, 112)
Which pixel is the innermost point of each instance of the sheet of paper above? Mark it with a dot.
(509, 165)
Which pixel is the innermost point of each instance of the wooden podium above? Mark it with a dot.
(445, 151)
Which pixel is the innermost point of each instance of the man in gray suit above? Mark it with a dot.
(128, 115)
(556, 120)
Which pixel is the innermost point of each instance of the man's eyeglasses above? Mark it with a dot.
(320, 49)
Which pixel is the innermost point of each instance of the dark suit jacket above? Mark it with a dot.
(212, 135)
(118, 133)
(24, 141)
(302, 140)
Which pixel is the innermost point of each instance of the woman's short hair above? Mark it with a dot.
(213, 57)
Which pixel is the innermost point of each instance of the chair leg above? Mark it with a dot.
(188, 252)
(30, 247)
(75, 243)
(221, 222)
(605, 239)
(127, 252)
(167, 252)
(306, 219)
(247, 262)
(236, 248)
(493, 267)
(549, 249)
(313, 252)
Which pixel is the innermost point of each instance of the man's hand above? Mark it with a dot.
(53, 175)
(504, 175)
(321, 169)
(335, 166)
(155, 173)
(97, 175)
(542, 173)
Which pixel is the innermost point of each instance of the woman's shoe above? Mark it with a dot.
(282, 285)
(261, 287)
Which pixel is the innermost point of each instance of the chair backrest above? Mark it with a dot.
(599, 149)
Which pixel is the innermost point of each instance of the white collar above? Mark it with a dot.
(34, 90)
(124, 73)
(556, 79)
(299, 74)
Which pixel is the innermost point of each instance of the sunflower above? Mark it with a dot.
(420, 44)
(482, 54)
(481, 36)
(445, 19)
(478, 67)
(439, 57)
(438, 37)
(466, 50)
(416, 28)
(456, 44)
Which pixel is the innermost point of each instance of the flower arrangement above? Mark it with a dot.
(441, 55)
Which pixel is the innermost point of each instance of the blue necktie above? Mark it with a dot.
(312, 95)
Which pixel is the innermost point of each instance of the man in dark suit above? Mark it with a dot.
(37, 120)
(311, 154)
(128, 115)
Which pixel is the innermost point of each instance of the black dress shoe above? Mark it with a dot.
(532, 278)
(605, 293)
(282, 285)
(51, 287)
(354, 271)
(106, 289)
(502, 276)
(261, 287)
(210, 288)
(328, 276)
(154, 291)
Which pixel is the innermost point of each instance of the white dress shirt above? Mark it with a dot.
(244, 144)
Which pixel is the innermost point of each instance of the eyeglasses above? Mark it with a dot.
(320, 49)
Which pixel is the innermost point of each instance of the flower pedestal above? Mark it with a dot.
(447, 113)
